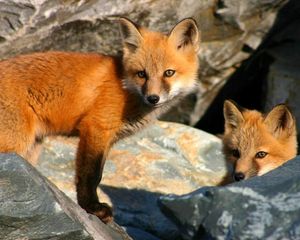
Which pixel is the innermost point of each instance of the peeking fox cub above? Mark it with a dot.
(256, 143)
(101, 98)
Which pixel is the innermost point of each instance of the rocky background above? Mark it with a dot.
(231, 31)
(249, 52)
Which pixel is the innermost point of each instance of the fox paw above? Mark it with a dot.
(101, 210)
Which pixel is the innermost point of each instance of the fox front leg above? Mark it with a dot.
(89, 167)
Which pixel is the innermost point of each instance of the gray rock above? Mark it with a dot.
(33, 208)
(265, 207)
(228, 29)
(283, 79)
(164, 158)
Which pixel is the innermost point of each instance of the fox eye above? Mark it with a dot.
(235, 153)
(141, 74)
(261, 154)
(169, 73)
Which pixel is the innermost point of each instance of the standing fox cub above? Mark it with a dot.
(98, 97)
(257, 143)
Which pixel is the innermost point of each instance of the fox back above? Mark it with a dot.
(255, 143)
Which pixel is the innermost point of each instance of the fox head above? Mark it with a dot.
(160, 67)
(255, 143)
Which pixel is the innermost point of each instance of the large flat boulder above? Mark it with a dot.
(164, 158)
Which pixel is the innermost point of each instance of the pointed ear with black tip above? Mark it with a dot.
(185, 33)
(130, 33)
(280, 121)
(233, 115)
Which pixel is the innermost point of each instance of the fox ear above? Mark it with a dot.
(130, 34)
(185, 33)
(233, 115)
(280, 121)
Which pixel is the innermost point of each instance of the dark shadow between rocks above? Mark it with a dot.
(137, 209)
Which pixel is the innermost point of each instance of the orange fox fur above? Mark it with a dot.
(255, 143)
(101, 98)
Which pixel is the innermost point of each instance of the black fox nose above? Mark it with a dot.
(153, 99)
(239, 176)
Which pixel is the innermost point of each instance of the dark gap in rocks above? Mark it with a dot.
(249, 84)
